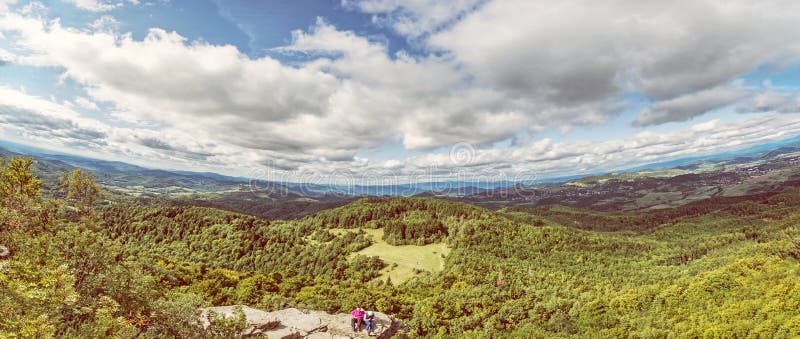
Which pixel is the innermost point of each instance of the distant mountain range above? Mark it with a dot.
(138, 180)
(135, 180)
(722, 176)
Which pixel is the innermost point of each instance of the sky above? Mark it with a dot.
(398, 91)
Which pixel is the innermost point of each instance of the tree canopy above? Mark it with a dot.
(714, 268)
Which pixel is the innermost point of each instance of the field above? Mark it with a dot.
(406, 261)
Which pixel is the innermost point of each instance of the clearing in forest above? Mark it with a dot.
(405, 261)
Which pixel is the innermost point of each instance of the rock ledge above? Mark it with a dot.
(295, 323)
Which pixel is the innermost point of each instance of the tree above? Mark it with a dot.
(81, 189)
(17, 183)
(222, 326)
(20, 203)
(252, 289)
(176, 315)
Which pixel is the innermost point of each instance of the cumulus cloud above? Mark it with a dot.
(98, 5)
(579, 52)
(6, 57)
(487, 71)
(4, 4)
(690, 105)
(49, 122)
(428, 98)
(414, 18)
(192, 85)
(548, 158)
(40, 118)
(771, 100)
(86, 103)
(505, 67)
(105, 23)
(57, 125)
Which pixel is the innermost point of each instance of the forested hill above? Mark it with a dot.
(508, 271)
(246, 243)
(77, 270)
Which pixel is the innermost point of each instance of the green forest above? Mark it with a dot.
(71, 266)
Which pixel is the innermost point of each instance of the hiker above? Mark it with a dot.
(369, 319)
(357, 319)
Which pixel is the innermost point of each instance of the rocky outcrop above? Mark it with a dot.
(295, 323)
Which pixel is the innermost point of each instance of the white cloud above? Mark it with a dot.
(86, 103)
(5, 4)
(6, 57)
(417, 17)
(770, 100)
(190, 85)
(49, 123)
(573, 52)
(491, 71)
(330, 106)
(547, 158)
(690, 105)
(105, 23)
(427, 97)
(58, 125)
(95, 5)
(37, 117)
(507, 67)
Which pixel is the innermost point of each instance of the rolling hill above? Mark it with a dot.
(721, 266)
(651, 189)
(545, 272)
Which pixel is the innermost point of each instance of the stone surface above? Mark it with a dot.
(295, 323)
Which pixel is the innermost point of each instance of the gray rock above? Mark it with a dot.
(295, 323)
(303, 323)
(257, 318)
(326, 335)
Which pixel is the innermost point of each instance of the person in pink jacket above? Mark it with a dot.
(357, 320)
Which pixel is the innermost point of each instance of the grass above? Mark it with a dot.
(653, 199)
(405, 261)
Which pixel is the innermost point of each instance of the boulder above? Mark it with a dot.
(303, 323)
(254, 316)
(295, 323)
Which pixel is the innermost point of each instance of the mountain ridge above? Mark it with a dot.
(445, 187)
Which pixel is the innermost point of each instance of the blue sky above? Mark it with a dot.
(313, 89)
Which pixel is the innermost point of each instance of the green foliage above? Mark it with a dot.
(62, 279)
(503, 275)
(176, 315)
(252, 290)
(17, 184)
(714, 268)
(30, 294)
(20, 206)
(80, 189)
(221, 326)
(100, 269)
(364, 268)
(406, 221)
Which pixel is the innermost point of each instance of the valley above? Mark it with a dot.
(446, 268)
